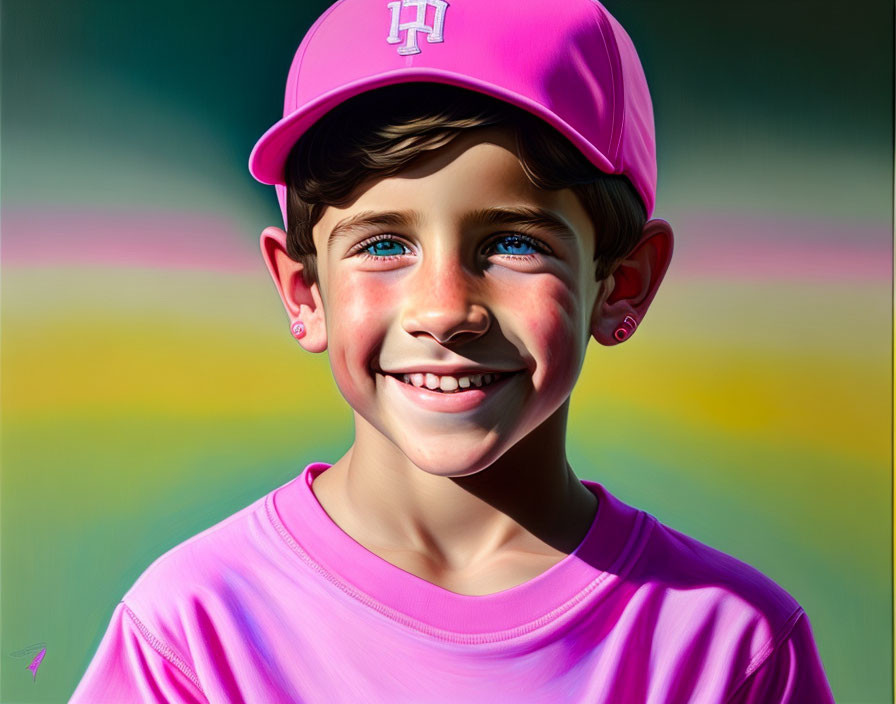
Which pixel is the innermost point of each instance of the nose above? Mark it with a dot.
(443, 302)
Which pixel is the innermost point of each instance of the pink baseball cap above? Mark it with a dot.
(568, 62)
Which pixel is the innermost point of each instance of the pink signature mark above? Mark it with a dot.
(41, 650)
(36, 663)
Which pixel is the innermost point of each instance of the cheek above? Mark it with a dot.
(549, 309)
(553, 329)
(360, 315)
(357, 305)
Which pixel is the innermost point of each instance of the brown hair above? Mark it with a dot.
(378, 133)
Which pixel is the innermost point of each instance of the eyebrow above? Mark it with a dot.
(369, 218)
(514, 216)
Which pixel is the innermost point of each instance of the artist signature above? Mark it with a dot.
(40, 649)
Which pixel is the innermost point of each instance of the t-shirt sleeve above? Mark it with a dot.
(791, 674)
(133, 665)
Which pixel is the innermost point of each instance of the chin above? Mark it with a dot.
(448, 462)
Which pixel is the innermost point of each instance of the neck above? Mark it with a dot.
(529, 500)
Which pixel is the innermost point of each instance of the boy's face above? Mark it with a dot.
(449, 293)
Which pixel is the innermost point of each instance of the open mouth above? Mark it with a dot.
(451, 384)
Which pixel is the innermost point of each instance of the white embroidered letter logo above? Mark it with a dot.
(433, 34)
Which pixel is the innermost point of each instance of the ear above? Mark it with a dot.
(633, 283)
(302, 302)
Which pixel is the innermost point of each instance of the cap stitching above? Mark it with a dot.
(614, 64)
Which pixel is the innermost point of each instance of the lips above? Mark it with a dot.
(451, 401)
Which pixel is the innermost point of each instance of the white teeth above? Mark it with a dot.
(448, 383)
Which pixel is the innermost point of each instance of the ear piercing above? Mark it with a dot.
(626, 328)
(298, 329)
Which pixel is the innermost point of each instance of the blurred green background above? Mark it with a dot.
(150, 386)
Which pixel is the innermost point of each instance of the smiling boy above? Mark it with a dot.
(464, 213)
(448, 300)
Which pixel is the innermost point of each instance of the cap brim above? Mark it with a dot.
(268, 157)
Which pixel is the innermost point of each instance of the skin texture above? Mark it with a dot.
(482, 500)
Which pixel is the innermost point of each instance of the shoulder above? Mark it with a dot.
(679, 562)
(148, 652)
(192, 582)
(206, 552)
(687, 573)
(711, 606)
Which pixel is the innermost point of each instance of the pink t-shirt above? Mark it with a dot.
(278, 604)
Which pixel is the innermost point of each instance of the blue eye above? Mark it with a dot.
(384, 248)
(516, 245)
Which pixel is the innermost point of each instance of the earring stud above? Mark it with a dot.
(625, 330)
(298, 329)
